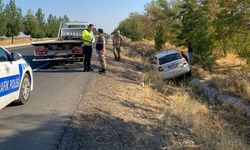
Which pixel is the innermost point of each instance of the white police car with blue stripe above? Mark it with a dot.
(16, 78)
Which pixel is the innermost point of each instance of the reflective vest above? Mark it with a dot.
(87, 36)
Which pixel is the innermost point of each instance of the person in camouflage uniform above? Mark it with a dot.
(117, 43)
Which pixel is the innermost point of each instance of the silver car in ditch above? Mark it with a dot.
(171, 64)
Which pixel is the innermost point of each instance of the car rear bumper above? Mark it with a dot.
(175, 72)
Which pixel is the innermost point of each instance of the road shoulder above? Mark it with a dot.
(117, 113)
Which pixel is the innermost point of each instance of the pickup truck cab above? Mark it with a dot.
(16, 78)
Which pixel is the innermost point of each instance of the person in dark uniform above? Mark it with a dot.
(190, 52)
(88, 39)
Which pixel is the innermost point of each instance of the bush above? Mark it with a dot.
(160, 38)
(131, 28)
(241, 44)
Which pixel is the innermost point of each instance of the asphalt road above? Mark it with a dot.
(41, 123)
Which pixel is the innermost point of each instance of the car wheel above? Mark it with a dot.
(24, 90)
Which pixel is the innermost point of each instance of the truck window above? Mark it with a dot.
(77, 26)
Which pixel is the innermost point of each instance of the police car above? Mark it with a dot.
(16, 78)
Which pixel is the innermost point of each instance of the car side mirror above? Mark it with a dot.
(16, 56)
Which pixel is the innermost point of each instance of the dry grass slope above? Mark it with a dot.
(195, 125)
(7, 42)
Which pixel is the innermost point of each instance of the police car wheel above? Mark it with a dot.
(25, 90)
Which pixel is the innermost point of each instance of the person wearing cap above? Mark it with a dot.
(88, 39)
(117, 43)
(100, 48)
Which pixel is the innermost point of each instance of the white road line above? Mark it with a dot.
(34, 70)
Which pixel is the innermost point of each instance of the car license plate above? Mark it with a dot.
(61, 54)
(173, 66)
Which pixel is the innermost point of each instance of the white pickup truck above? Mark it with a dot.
(67, 47)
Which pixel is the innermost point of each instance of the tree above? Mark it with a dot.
(160, 37)
(132, 28)
(14, 20)
(40, 17)
(165, 15)
(31, 24)
(53, 24)
(232, 20)
(213, 26)
(3, 20)
(65, 18)
(189, 20)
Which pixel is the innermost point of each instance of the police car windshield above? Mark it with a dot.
(169, 58)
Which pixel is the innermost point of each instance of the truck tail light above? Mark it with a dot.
(160, 69)
(77, 49)
(41, 51)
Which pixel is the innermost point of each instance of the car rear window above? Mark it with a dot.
(169, 58)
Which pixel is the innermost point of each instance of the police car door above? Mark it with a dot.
(9, 79)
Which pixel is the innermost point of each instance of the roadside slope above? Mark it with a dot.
(118, 113)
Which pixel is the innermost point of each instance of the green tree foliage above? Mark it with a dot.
(132, 27)
(40, 18)
(232, 19)
(36, 25)
(213, 26)
(196, 28)
(3, 20)
(30, 24)
(14, 19)
(160, 37)
(53, 24)
(168, 16)
(65, 18)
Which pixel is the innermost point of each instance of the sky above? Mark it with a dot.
(104, 14)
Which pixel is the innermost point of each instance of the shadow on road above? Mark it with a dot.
(29, 132)
(108, 132)
(97, 132)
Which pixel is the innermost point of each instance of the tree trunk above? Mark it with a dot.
(12, 39)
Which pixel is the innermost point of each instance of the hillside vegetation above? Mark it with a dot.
(214, 27)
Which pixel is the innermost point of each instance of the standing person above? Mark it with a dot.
(184, 56)
(88, 39)
(117, 43)
(190, 52)
(100, 48)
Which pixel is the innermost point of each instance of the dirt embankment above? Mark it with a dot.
(118, 113)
